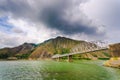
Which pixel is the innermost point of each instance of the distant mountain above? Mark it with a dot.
(21, 51)
(63, 45)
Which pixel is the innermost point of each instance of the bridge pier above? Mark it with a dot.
(54, 59)
(70, 58)
(58, 59)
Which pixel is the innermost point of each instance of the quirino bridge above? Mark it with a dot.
(70, 55)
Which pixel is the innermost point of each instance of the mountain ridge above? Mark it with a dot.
(48, 48)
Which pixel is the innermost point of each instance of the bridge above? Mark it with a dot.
(88, 49)
(83, 48)
(69, 55)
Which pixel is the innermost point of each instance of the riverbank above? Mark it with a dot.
(113, 62)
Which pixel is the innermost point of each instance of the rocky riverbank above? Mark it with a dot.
(113, 62)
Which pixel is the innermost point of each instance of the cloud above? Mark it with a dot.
(22, 32)
(38, 20)
(52, 14)
(53, 18)
(106, 12)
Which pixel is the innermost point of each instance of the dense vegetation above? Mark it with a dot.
(22, 56)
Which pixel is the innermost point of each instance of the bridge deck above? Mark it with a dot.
(58, 56)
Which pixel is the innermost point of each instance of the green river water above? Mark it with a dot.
(51, 70)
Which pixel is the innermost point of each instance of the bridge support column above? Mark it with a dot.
(54, 59)
(58, 59)
(70, 58)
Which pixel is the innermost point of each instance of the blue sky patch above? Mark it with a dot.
(4, 25)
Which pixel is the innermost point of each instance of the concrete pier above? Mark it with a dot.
(70, 58)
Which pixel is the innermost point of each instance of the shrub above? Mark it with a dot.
(22, 56)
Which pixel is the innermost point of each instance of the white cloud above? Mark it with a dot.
(106, 12)
(24, 31)
(31, 32)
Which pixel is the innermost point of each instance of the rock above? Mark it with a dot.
(113, 63)
(12, 58)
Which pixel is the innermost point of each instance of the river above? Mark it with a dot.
(51, 70)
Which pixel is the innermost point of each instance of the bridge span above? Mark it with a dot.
(69, 55)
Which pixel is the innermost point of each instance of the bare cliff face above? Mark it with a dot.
(115, 50)
(115, 56)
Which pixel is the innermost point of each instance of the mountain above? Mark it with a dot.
(58, 45)
(21, 51)
(63, 45)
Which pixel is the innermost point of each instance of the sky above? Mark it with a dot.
(35, 21)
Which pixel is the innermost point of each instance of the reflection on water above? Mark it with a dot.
(50, 70)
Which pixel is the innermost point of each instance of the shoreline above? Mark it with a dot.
(113, 62)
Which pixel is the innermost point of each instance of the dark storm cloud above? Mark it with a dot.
(51, 15)
(53, 19)
(15, 8)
